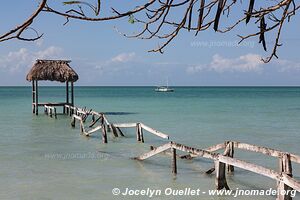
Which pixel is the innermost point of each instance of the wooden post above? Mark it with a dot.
(55, 115)
(36, 98)
(138, 135)
(104, 134)
(174, 162)
(71, 111)
(81, 127)
(114, 130)
(108, 128)
(120, 131)
(73, 122)
(33, 97)
(285, 166)
(220, 180)
(229, 150)
(67, 97)
(67, 92)
(141, 134)
(72, 93)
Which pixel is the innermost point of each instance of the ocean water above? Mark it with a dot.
(44, 158)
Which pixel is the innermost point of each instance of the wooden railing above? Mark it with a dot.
(284, 176)
(50, 111)
(222, 161)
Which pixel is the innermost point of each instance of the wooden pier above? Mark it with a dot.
(223, 162)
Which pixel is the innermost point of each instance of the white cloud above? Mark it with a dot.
(124, 57)
(244, 63)
(23, 58)
(287, 65)
(117, 63)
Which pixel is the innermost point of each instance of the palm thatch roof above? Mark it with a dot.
(52, 70)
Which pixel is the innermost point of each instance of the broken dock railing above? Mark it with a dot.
(223, 162)
(50, 111)
(99, 120)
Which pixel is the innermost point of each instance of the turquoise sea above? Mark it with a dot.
(43, 158)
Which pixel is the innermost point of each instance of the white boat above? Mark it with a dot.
(164, 88)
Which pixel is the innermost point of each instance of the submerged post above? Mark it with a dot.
(36, 98)
(138, 135)
(104, 133)
(285, 167)
(220, 181)
(229, 151)
(174, 161)
(33, 97)
(67, 98)
(141, 133)
(72, 93)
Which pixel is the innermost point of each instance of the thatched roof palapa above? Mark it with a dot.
(52, 70)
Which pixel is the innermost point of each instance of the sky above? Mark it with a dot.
(103, 57)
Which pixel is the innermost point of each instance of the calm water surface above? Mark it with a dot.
(44, 158)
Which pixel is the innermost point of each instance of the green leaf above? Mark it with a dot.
(131, 19)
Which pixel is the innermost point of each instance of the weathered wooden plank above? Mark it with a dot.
(76, 117)
(210, 149)
(231, 161)
(154, 152)
(155, 132)
(96, 113)
(291, 182)
(228, 152)
(94, 121)
(89, 132)
(191, 150)
(264, 150)
(125, 125)
(250, 167)
(51, 104)
(227, 160)
(169, 153)
(105, 120)
(215, 147)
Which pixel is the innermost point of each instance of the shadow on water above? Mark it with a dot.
(120, 113)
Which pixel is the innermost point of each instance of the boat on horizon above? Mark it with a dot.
(164, 88)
